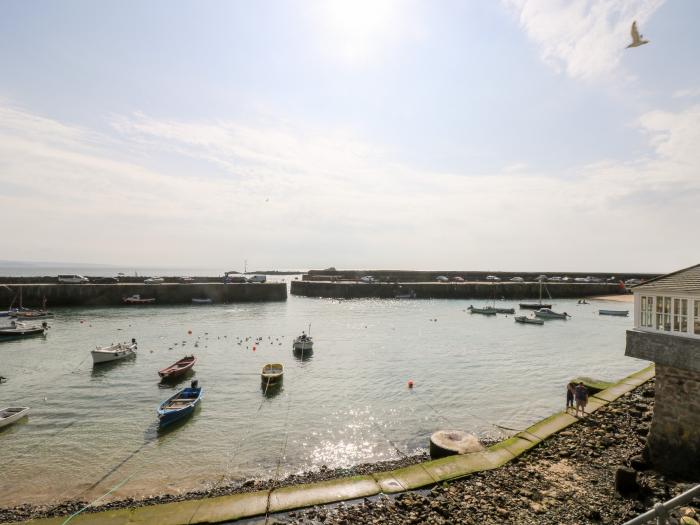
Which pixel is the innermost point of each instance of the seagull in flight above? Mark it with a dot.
(636, 37)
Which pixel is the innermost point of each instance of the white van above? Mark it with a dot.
(73, 279)
(257, 278)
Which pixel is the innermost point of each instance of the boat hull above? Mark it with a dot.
(11, 415)
(303, 345)
(167, 417)
(177, 369)
(533, 306)
(528, 320)
(16, 333)
(107, 356)
(619, 313)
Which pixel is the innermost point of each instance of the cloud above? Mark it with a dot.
(687, 93)
(583, 38)
(167, 191)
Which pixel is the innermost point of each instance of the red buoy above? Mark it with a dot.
(253, 348)
(410, 383)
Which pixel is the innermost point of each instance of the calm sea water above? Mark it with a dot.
(92, 428)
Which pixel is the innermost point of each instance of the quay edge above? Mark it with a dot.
(165, 294)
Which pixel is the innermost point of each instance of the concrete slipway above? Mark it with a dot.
(246, 505)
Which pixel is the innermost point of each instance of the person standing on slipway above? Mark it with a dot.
(581, 396)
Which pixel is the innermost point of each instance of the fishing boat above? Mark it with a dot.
(180, 405)
(621, 313)
(528, 320)
(17, 330)
(304, 342)
(548, 313)
(505, 310)
(537, 305)
(114, 352)
(178, 368)
(205, 300)
(411, 294)
(11, 415)
(272, 373)
(137, 299)
(488, 310)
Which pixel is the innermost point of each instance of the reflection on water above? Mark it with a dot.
(343, 404)
(303, 355)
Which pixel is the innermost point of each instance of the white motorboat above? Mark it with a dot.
(528, 320)
(487, 310)
(621, 313)
(303, 342)
(114, 352)
(547, 313)
(11, 415)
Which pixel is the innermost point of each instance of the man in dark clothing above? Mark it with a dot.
(581, 396)
(570, 388)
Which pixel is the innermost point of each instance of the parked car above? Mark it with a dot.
(441, 279)
(73, 279)
(492, 278)
(517, 279)
(154, 280)
(105, 280)
(367, 279)
(632, 282)
(257, 278)
(235, 279)
(541, 278)
(554, 279)
(186, 279)
(458, 279)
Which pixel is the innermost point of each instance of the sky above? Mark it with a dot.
(511, 135)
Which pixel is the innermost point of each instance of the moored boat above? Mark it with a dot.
(113, 352)
(547, 313)
(178, 368)
(272, 373)
(11, 415)
(17, 330)
(303, 342)
(410, 294)
(621, 313)
(137, 299)
(484, 311)
(533, 306)
(528, 320)
(30, 315)
(180, 405)
(204, 300)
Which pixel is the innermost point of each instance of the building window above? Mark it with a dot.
(663, 313)
(647, 317)
(680, 315)
(697, 317)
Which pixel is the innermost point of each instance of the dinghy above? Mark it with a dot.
(136, 299)
(621, 313)
(205, 300)
(272, 373)
(114, 352)
(505, 310)
(528, 320)
(11, 415)
(180, 405)
(178, 369)
(18, 330)
(484, 311)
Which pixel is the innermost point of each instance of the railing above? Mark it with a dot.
(662, 510)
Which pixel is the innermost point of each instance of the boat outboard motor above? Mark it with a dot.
(44, 325)
(133, 340)
(194, 384)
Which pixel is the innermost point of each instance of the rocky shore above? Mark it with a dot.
(568, 479)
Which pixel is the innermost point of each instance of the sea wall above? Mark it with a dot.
(406, 276)
(484, 290)
(113, 294)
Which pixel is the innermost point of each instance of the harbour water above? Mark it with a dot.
(91, 429)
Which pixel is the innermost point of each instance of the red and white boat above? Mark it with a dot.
(179, 368)
(137, 299)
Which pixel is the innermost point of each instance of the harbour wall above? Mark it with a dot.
(467, 290)
(113, 294)
(406, 276)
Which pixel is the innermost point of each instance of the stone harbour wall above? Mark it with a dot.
(674, 437)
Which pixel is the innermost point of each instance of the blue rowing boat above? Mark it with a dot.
(179, 406)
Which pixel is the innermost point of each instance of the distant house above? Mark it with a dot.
(667, 332)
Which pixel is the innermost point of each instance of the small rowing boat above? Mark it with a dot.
(484, 311)
(272, 373)
(17, 330)
(205, 300)
(505, 310)
(621, 313)
(178, 368)
(137, 299)
(11, 415)
(180, 405)
(528, 320)
(113, 352)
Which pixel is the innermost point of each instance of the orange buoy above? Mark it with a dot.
(410, 383)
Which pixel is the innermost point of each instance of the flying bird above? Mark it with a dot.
(636, 37)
